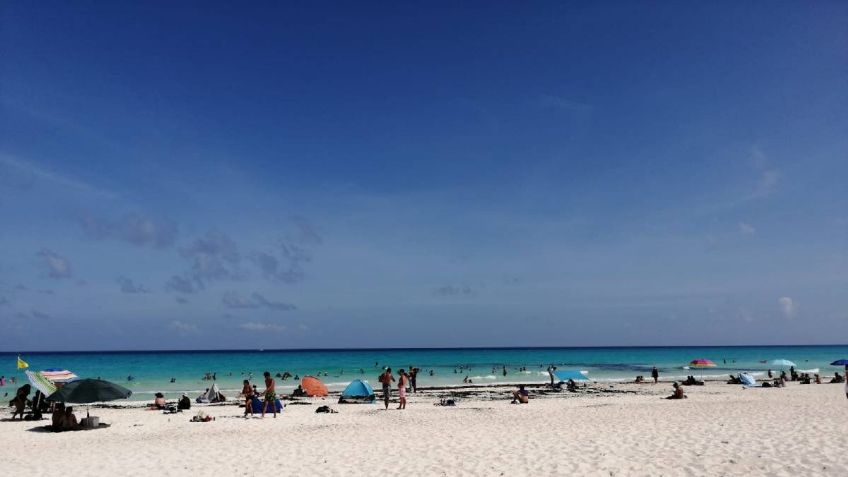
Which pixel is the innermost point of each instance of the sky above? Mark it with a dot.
(445, 174)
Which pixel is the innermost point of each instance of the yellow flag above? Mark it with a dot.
(22, 364)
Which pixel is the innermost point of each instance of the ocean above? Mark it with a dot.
(152, 371)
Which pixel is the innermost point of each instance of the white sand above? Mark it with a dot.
(720, 430)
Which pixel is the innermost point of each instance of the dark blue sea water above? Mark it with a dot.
(152, 371)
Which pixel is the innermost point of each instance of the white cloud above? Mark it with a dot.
(57, 266)
(552, 101)
(183, 327)
(235, 300)
(269, 327)
(747, 229)
(769, 177)
(787, 306)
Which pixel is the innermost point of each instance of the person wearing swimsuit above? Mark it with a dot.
(270, 395)
(403, 378)
(247, 392)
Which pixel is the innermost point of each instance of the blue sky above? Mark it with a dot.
(389, 175)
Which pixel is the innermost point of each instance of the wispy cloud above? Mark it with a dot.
(262, 327)
(214, 256)
(18, 166)
(450, 290)
(128, 286)
(747, 229)
(136, 229)
(552, 101)
(787, 306)
(769, 177)
(179, 284)
(58, 267)
(236, 301)
(183, 327)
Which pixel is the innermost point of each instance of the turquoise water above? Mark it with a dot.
(153, 370)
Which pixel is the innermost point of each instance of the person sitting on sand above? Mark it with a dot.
(521, 395)
(158, 402)
(184, 404)
(678, 392)
(299, 392)
(58, 416)
(571, 386)
(639, 379)
(837, 378)
(70, 421)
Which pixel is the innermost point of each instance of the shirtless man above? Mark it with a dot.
(270, 394)
(386, 380)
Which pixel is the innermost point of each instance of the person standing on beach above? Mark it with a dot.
(655, 373)
(413, 376)
(386, 380)
(403, 379)
(270, 394)
(247, 392)
(551, 370)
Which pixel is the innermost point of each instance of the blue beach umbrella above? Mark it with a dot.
(783, 363)
(840, 362)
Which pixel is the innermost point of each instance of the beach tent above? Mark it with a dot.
(313, 387)
(357, 392)
(257, 405)
(565, 374)
(210, 396)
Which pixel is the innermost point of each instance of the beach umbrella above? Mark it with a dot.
(701, 363)
(782, 363)
(40, 382)
(59, 375)
(840, 362)
(86, 391)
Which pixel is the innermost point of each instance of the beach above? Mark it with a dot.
(604, 429)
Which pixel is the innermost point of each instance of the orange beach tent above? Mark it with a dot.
(313, 386)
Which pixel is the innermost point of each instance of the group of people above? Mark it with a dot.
(405, 379)
(64, 418)
(249, 392)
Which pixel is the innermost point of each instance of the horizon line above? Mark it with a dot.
(449, 348)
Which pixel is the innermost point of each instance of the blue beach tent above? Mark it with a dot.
(357, 392)
(257, 405)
